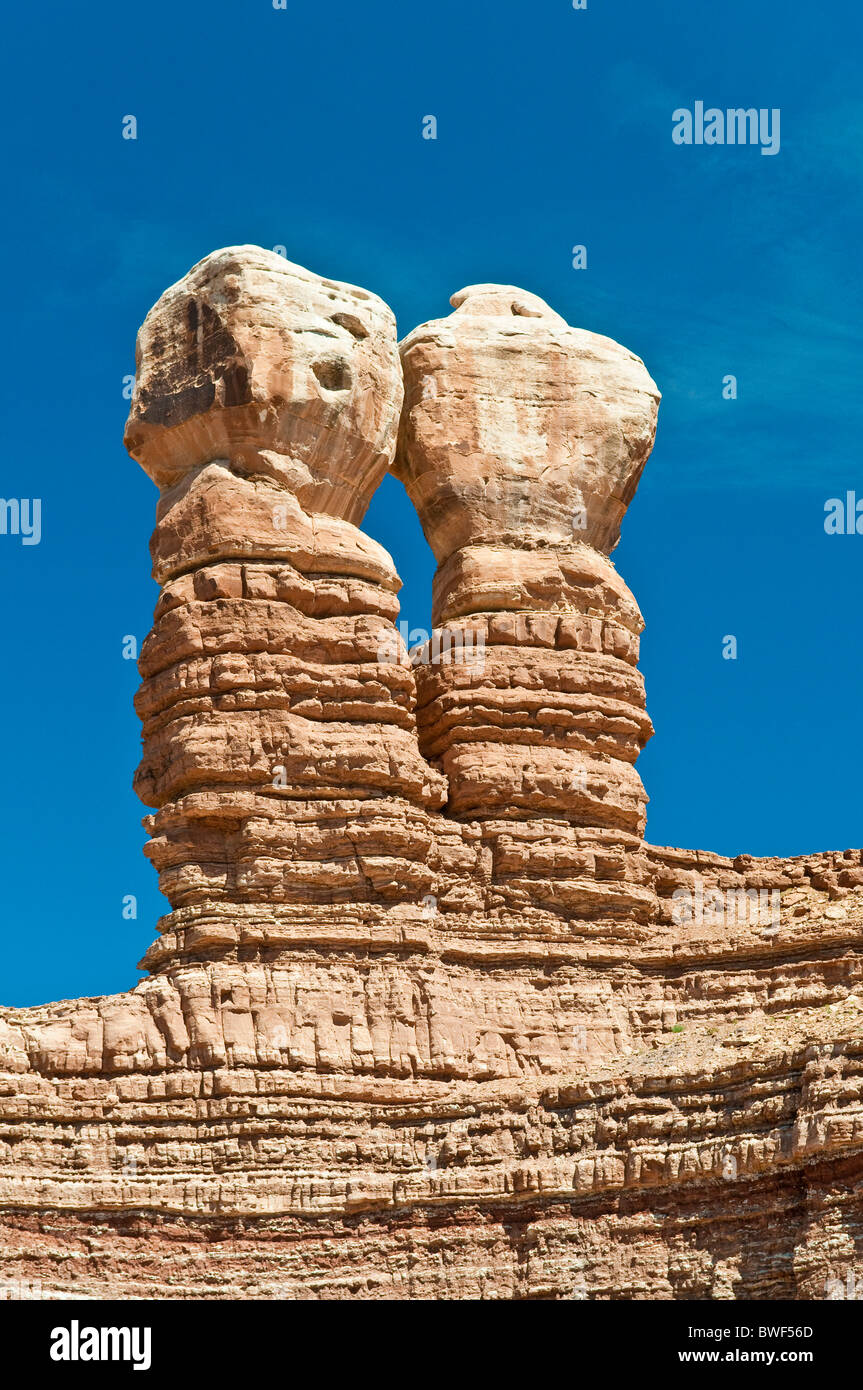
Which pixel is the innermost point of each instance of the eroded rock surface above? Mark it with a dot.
(429, 1018)
(279, 749)
(521, 443)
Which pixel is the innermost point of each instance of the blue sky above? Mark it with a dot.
(302, 127)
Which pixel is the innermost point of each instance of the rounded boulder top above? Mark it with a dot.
(249, 352)
(519, 430)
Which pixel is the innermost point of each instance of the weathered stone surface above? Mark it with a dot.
(250, 355)
(266, 407)
(521, 444)
(428, 1017)
(513, 421)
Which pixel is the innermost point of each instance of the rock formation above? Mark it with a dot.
(428, 1017)
(521, 444)
(279, 749)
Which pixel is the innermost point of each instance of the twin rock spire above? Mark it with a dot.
(293, 754)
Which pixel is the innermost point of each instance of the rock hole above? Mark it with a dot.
(333, 373)
(351, 323)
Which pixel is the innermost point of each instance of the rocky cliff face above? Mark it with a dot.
(428, 1017)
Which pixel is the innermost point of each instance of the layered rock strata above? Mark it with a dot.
(428, 1017)
(521, 444)
(279, 749)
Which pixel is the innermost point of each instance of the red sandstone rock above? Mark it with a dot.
(266, 406)
(521, 443)
(428, 1017)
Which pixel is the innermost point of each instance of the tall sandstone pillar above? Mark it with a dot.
(521, 445)
(280, 752)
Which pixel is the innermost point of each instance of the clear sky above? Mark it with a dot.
(302, 127)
